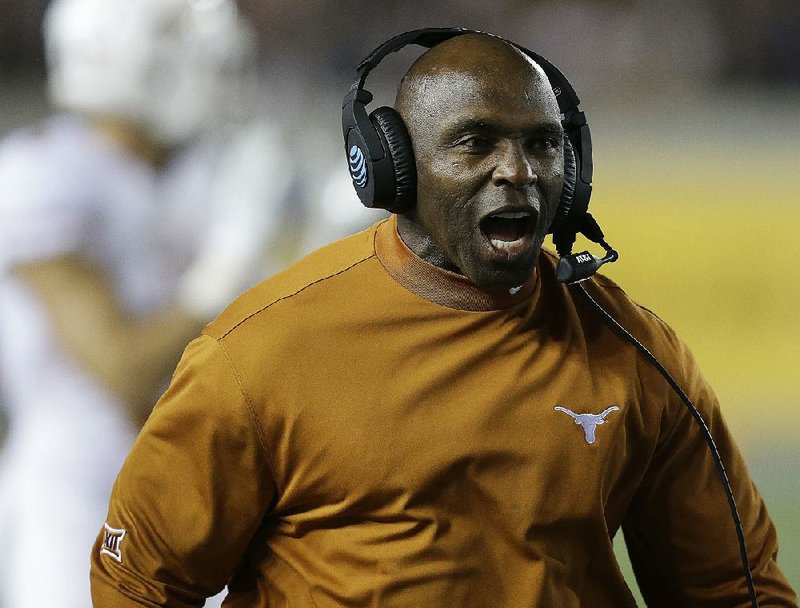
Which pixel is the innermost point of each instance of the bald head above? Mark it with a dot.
(474, 65)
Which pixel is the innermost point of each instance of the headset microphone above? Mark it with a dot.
(578, 267)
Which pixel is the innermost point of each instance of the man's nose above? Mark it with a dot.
(514, 167)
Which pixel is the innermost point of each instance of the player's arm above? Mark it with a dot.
(191, 495)
(679, 530)
(131, 356)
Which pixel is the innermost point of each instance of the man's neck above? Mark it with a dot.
(422, 244)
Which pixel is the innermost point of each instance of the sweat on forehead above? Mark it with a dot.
(469, 56)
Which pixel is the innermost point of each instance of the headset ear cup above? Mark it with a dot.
(392, 131)
(568, 191)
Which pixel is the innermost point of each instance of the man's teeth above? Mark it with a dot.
(499, 244)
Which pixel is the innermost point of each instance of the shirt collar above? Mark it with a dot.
(437, 284)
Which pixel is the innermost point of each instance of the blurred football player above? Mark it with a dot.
(128, 220)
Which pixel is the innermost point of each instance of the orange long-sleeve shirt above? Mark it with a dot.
(365, 429)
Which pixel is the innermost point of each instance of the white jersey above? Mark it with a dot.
(64, 191)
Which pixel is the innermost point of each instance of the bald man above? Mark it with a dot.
(421, 416)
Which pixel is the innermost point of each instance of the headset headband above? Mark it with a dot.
(430, 37)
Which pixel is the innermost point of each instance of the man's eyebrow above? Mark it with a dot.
(479, 125)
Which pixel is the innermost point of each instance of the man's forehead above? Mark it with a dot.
(483, 90)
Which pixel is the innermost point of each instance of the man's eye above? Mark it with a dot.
(543, 144)
(477, 142)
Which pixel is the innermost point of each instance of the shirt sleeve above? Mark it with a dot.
(679, 530)
(190, 496)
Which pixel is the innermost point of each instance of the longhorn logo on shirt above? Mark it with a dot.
(112, 538)
(589, 422)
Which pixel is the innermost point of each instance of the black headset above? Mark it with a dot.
(381, 157)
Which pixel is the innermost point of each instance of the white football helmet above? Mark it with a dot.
(170, 66)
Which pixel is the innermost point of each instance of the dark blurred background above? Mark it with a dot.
(612, 50)
(695, 115)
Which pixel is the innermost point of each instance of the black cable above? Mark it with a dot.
(650, 357)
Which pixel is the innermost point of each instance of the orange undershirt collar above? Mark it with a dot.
(437, 284)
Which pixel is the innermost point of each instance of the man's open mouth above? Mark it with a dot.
(509, 231)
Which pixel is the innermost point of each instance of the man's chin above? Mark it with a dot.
(495, 268)
(503, 277)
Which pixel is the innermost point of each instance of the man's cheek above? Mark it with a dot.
(552, 202)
